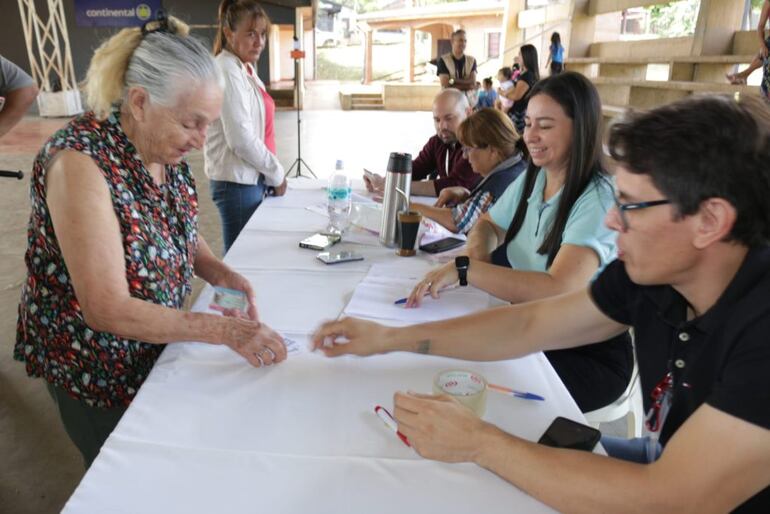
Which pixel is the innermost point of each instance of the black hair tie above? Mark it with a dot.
(162, 24)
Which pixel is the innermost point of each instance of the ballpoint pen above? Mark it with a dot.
(386, 418)
(402, 301)
(518, 394)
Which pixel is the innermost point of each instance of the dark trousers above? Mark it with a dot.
(87, 427)
(556, 67)
(595, 374)
(236, 203)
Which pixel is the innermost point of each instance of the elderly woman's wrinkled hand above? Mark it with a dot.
(254, 341)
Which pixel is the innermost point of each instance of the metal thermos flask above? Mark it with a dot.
(398, 180)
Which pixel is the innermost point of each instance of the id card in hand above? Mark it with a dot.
(225, 298)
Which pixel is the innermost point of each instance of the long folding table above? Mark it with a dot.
(209, 433)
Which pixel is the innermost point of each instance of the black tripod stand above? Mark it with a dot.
(12, 174)
(297, 54)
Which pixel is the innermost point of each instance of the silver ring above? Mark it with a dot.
(260, 353)
(261, 362)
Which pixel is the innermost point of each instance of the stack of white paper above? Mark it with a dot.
(375, 297)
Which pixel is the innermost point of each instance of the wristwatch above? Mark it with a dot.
(461, 263)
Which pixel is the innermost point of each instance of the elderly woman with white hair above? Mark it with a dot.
(113, 238)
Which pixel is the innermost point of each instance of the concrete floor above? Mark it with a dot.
(39, 467)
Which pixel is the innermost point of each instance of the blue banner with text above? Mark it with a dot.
(115, 13)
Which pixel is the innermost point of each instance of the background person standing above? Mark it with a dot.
(240, 156)
(455, 69)
(555, 55)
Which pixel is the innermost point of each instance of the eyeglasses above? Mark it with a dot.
(624, 207)
(468, 149)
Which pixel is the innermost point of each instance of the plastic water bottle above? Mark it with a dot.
(339, 200)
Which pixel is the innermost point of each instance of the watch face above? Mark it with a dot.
(462, 261)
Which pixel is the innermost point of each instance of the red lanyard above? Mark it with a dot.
(661, 403)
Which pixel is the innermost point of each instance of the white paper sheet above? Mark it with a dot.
(374, 298)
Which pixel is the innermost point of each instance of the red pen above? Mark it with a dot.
(390, 422)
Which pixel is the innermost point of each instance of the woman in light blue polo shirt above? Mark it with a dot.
(546, 235)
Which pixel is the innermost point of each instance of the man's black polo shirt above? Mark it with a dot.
(721, 357)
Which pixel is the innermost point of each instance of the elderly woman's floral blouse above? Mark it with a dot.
(158, 226)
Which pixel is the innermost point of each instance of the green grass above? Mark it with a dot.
(346, 62)
(330, 70)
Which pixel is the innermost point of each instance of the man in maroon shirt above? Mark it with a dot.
(440, 163)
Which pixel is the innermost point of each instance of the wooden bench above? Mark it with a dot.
(707, 68)
(612, 111)
(646, 94)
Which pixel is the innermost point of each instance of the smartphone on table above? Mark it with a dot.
(319, 241)
(565, 433)
(338, 257)
(442, 245)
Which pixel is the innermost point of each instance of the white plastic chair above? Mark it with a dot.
(629, 405)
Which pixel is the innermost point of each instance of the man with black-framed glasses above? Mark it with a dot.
(693, 280)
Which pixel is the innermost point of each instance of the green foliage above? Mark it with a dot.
(327, 69)
(674, 19)
(365, 6)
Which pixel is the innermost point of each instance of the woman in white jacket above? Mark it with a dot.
(239, 152)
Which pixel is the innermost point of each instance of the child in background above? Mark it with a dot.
(487, 96)
(505, 77)
(555, 55)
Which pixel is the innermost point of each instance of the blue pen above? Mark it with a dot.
(518, 394)
(402, 301)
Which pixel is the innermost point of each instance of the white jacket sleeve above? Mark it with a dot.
(243, 132)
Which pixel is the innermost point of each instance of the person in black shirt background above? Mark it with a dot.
(455, 69)
(519, 93)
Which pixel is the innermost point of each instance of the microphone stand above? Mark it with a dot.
(297, 54)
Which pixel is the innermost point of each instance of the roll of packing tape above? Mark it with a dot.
(467, 387)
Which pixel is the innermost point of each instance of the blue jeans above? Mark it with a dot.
(236, 204)
(640, 449)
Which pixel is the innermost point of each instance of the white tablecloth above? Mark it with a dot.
(208, 433)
